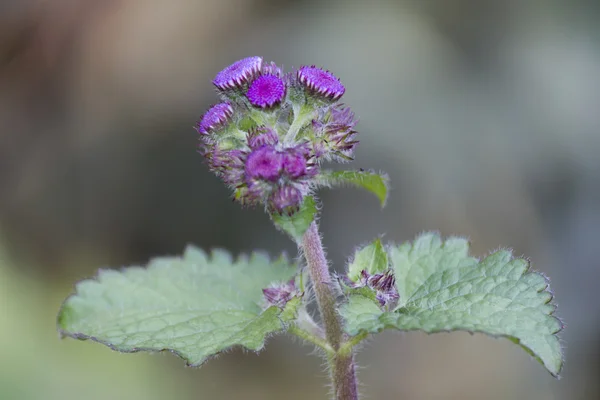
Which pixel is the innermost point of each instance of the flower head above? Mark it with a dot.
(266, 91)
(384, 286)
(277, 133)
(320, 81)
(215, 118)
(279, 294)
(238, 73)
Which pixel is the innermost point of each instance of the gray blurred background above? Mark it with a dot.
(485, 114)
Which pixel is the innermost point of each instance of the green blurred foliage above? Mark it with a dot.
(37, 365)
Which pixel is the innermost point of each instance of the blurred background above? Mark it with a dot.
(485, 114)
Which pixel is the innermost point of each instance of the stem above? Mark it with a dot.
(319, 272)
(348, 345)
(305, 322)
(341, 364)
(301, 118)
(309, 337)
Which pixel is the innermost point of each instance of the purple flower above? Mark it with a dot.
(215, 118)
(264, 163)
(279, 295)
(255, 161)
(285, 200)
(321, 81)
(384, 286)
(238, 73)
(262, 136)
(266, 91)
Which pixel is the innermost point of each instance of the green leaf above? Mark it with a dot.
(296, 224)
(374, 182)
(372, 258)
(443, 289)
(195, 306)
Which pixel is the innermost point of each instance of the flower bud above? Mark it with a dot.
(294, 163)
(322, 82)
(382, 282)
(262, 136)
(285, 200)
(384, 286)
(279, 295)
(228, 164)
(238, 73)
(336, 129)
(215, 118)
(264, 163)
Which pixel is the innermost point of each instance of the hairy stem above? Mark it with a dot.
(319, 273)
(310, 337)
(341, 364)
(344, 377)
(306, 322)
(347, 346)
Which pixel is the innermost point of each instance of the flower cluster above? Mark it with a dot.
(270, 133)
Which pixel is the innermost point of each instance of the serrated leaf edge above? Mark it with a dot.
(242, 257)
(528, 270)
